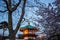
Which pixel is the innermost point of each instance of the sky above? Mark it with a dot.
(47, 1)
(28, 11)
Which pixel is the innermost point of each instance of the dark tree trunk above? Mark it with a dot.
(10, 27)
(12, 35)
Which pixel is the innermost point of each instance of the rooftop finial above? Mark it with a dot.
(28, 22)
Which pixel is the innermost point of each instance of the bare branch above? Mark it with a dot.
(22, 15)
(15, 6)
(3, 11)
(8, 4)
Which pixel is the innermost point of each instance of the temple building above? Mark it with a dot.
(29, 32)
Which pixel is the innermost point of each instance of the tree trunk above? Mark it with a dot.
(10, 27)
(12, 36)
(12, 39)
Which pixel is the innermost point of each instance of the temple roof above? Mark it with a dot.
(28, 26)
